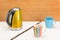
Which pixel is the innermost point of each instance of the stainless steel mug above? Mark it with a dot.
(39, 30)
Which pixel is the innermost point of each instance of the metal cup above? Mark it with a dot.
(37, 30)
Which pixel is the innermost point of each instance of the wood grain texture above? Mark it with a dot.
(32, 10)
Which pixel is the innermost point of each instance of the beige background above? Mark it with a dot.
(32, 10)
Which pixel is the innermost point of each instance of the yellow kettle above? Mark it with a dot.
(14, 19)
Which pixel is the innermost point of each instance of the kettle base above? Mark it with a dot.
(16, 29)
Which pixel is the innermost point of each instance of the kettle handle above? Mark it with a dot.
(9, 18)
